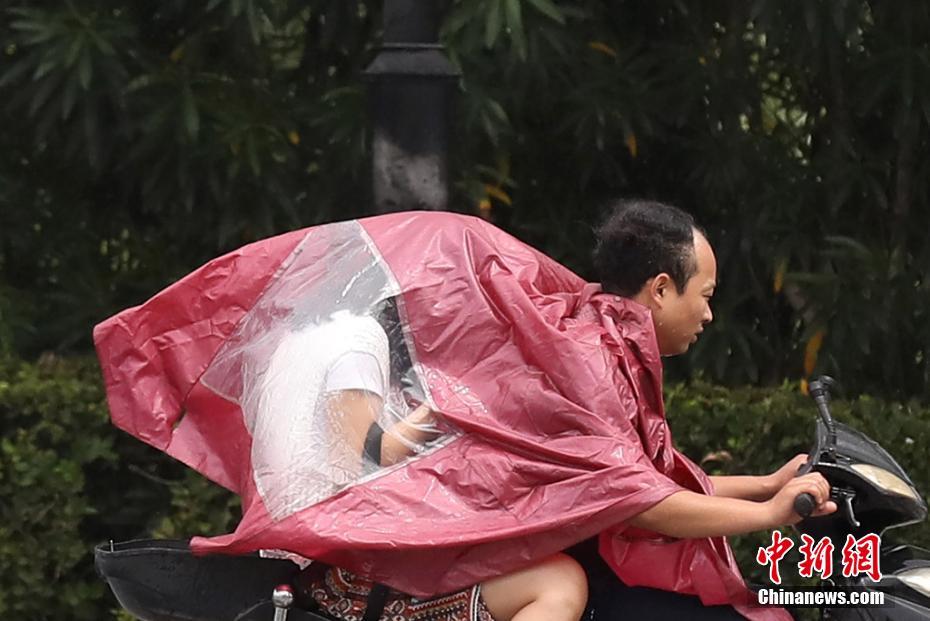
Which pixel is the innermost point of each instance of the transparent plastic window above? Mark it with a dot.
(325, 374)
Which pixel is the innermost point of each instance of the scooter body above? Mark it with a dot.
(873, 494)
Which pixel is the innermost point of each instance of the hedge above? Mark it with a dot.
(69, 480)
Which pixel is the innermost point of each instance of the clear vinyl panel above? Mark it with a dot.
(325, 375)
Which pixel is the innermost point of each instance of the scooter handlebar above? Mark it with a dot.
(804, 505)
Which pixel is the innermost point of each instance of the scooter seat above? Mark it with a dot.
(161, 580)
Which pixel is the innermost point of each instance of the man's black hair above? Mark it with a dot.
(641, 239)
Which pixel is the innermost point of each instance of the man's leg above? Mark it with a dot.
(611, 600)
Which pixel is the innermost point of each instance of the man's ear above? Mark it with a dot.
(659, 288)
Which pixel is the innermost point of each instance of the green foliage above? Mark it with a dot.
(53, 428)
(144, 138)
(69, 481)
(785, 132)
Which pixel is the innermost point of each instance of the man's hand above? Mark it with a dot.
(781, 477)
(781, 505)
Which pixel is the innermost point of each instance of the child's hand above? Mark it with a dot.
(422, 415)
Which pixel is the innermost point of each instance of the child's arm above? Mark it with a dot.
(355, 411)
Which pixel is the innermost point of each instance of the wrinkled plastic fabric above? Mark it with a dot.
(321, 357)
(546, 427)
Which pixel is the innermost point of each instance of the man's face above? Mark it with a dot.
(680, 317)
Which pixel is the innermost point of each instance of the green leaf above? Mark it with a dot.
(69, 96)
(497, 110)
(457, 21)
(140, 82)
(102, 44)
(514, 13)
(489, 129)
(492, 24)
(550, 10)
(15, 72)
(44, 68)
(40, 37)
(254, 25)
(26, 25)
(850, 244)
(85, 70)
(74, 49)
(189, 112)
(47, 87)
(91, 137)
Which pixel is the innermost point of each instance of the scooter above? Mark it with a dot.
(159, 580)
(873, 494)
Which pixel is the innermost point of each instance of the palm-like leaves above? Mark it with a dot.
(196, 128)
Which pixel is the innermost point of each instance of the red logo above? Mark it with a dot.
(816, 557)
(773, 554)
(859, 556)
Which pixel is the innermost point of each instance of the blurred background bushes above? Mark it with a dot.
(71, 481)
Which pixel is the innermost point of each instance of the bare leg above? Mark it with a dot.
(554, 589)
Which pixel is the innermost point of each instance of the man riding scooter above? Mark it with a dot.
(552, 385)
(656, 256)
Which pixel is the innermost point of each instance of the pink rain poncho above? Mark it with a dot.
(547, 422)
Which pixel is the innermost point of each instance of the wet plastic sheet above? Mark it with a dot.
(320, 359)
(545, 423)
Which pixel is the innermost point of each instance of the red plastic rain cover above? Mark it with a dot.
(553, 388)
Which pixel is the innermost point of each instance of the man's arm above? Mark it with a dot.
(688, 515)
(757, 488)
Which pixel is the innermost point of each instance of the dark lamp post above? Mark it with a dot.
(411, 87)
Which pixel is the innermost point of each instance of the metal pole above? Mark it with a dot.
(410, 86)
(282, 598)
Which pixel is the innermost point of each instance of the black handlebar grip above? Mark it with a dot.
(804, 505)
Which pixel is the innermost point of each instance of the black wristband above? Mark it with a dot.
(372, 450)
